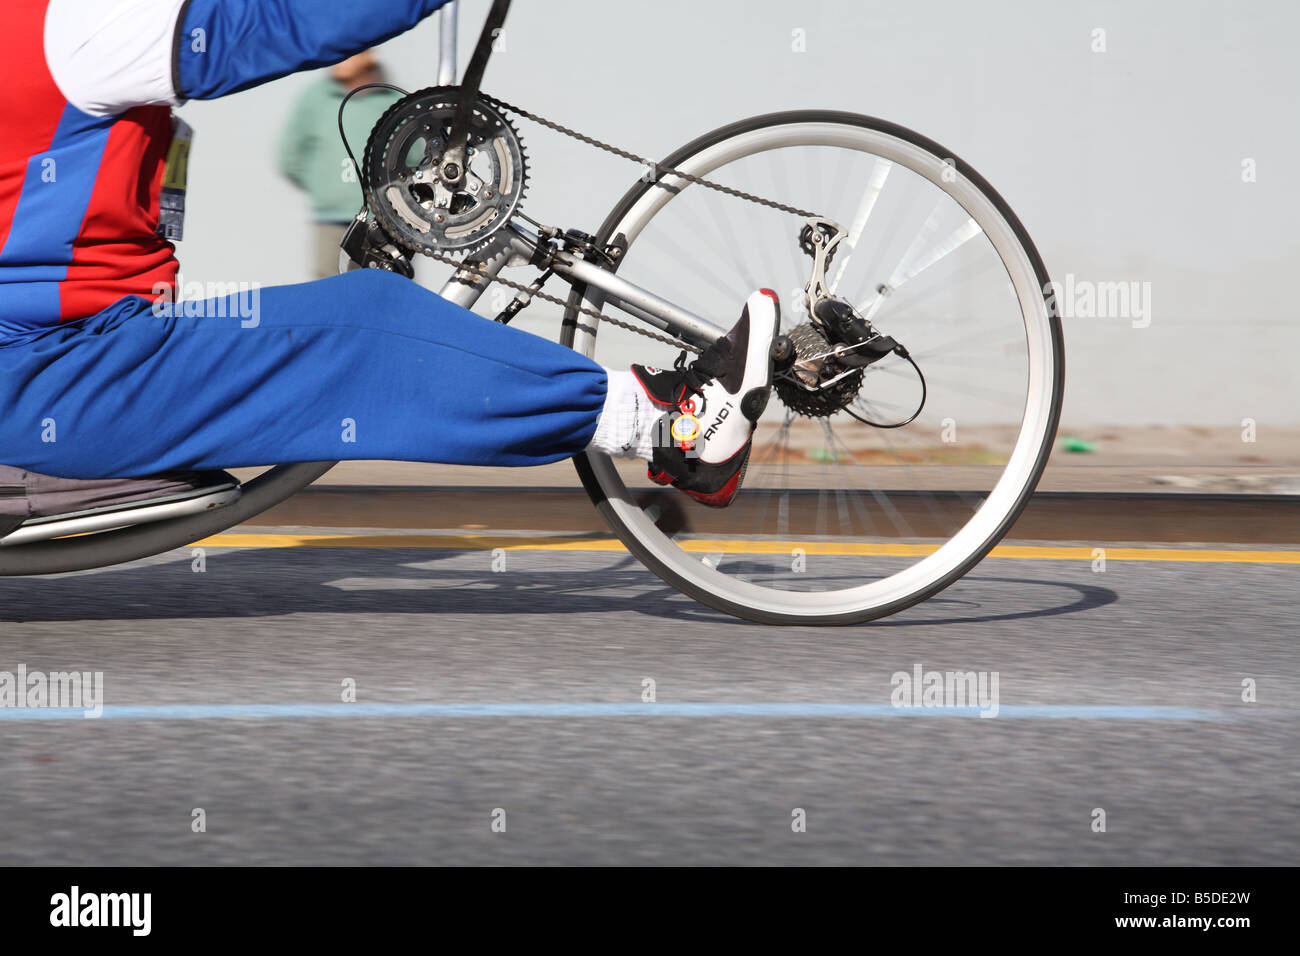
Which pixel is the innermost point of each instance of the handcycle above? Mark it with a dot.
(919, 374)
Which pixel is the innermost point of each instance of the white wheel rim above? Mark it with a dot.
(1036, 419)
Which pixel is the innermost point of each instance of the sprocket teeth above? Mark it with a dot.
(380, 169)
(822, 404)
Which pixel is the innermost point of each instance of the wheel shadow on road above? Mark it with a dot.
(268, 583)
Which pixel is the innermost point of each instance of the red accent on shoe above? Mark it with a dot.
(646, 389)
(722, 496)
(771, 295)
(659, 478)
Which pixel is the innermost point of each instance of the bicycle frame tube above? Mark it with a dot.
(448, 17)
(466, 286)
(638, 302)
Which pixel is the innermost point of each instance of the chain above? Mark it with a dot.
(660, 171)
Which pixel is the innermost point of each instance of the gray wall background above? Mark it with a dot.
(1125, 165)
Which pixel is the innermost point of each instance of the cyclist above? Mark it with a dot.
(103, 375)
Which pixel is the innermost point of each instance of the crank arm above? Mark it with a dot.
(454, 161)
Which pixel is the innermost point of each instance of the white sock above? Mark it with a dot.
(625, 428)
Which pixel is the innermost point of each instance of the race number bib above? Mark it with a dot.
(171, 218)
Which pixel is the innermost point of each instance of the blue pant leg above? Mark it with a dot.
(363, 365)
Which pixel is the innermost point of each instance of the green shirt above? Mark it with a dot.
(312, 155)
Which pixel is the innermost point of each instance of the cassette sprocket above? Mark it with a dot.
(816, 385)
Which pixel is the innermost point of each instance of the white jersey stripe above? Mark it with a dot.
(109, 57)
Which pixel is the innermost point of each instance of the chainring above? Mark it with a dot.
(811, 370)
(400, 174)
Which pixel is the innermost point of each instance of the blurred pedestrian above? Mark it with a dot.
(312, 155)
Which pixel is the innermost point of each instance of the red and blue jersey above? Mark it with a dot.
(86, 124)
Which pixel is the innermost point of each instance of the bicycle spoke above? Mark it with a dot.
(923, 253)
(866, 205)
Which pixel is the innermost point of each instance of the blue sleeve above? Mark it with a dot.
(224, 46)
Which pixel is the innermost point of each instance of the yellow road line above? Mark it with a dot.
(715, 546)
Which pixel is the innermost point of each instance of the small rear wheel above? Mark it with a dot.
(107, 548)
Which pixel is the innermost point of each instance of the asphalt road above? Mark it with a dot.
(586, 772)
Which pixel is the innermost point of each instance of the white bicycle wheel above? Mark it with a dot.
(838, 521)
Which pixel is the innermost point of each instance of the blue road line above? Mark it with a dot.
(788, 711)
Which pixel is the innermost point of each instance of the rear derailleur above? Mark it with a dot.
(820, 363)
